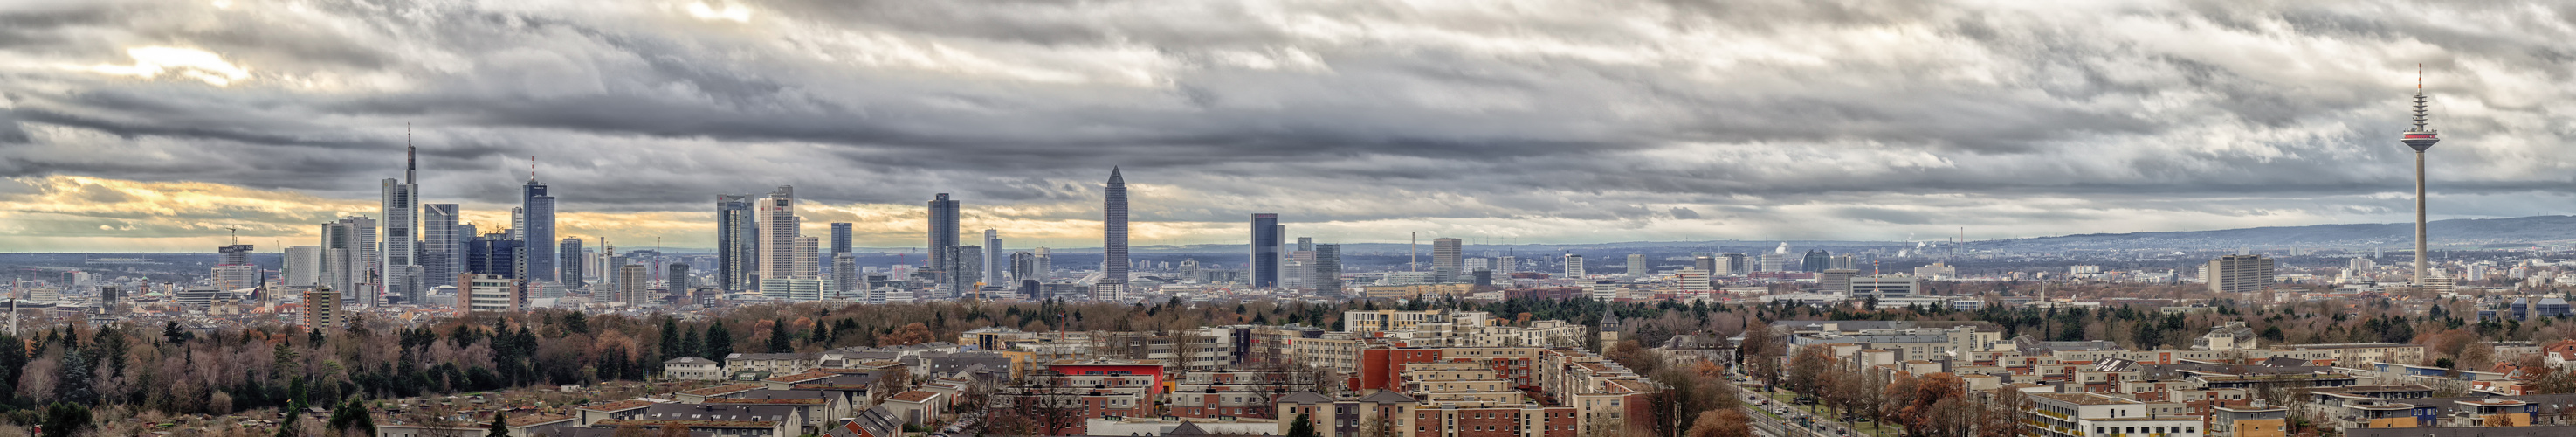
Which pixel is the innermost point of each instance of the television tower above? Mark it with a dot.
(2420, 138)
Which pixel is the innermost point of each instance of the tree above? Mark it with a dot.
(910, 334)
(350, 418)
(1049, 403)
(671, 344)
(64, 419)
(719, 342)
(500, 424)
(1303, 427)
(675, 431)
(778, 343)
(1727, 422)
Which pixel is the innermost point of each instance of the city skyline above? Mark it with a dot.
(2039, 120)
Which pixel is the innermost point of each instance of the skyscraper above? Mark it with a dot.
(1637, 266)
(234, 270)
(993, 258)
(401, 254)
(1265, 250)
(1817, 260)
(1445, 260)
(840, 239)
(1113, 238)
(442, 246)
(846, 280)
(2420, 138)
(969, 274)
(1507, 265)
(2238, 274)
(493, 254)
(1574, 266)
(675, 279)
(808, 257)
(1045, 265)
(737, 239)
(570, 250)
(1024, 266)
(303, 266)
(349, 256)
(632, 281)
(540, 211)
(943, 236)
(1327, 270)
(778, 232)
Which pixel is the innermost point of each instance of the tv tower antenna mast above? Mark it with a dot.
(2420, 138)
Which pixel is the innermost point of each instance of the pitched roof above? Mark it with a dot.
(1187, 429)
(875, 422)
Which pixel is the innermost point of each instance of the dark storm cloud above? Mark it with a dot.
(1789, 115)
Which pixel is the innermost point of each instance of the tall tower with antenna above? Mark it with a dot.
(2420, 138)
(400, 256)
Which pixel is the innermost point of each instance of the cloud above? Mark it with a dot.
(1551, 120)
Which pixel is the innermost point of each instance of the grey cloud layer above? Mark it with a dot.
(1879, 118)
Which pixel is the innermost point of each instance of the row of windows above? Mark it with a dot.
(2139, 429)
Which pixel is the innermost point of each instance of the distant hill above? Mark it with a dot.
(2455, 233)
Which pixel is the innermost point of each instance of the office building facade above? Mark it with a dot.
(737, 241)
(1113, 238)
(539, 209)
(1264, 263)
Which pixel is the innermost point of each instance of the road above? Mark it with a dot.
(1777, 418)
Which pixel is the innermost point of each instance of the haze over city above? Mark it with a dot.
(157, 126)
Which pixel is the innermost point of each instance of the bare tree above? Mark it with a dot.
(1050, 404)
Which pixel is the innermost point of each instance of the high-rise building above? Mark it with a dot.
(1507, 265)
(1705, 263)
(233, 271)
(968, 276)
(2239, 273)
(442, 244)
(1637, 267)
(632, 284)
(840, 239)
(401, 254)
(1265, 250)
(494, 254)
(1574, 266)
(322, 309)
(993, 258)
(1774, 262)
(570, 251)
(491, 293)
(1845, 261)
(303, 267)
(1817, 260)
(809, 259)
(737, 241)
(675, 279)
(944, 239)
(1024, 266)
(846, 278)
(540, 209)
(1045, 264)
(349, 257)
(2419, 138)
(778, 233)
(1327, 271)
(1446, 265)
(1732, 264)
(1113, 238)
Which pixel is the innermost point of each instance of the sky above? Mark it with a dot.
(171, 125)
